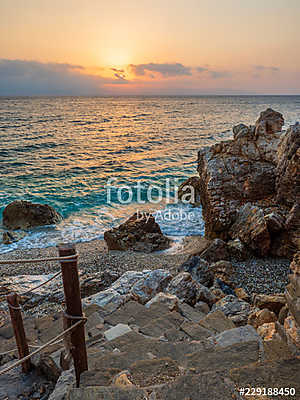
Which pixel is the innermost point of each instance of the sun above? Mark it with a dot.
(116, 58)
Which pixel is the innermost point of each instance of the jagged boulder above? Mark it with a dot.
(22, 214)
(187, 289)
(269, 122)
(199, 270)
(139, 233)
(251, 228)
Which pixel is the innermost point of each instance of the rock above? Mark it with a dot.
(22, 214)
(242, 334)
(146, 288)
(119, 292)
(171, 301)
(269, 122)
(216, 251)
(122, 379)
(283, 313)
(46, 366)
(224, 287)
(98, 282)
(237, 250)
(274, 302)
(202, 307)
(190, 313)
(222, 270)
(185, 288)
(65, 382)
(195, 331)
(9, 237)
(235, 309)
(267, 331)
(261, 317)
(292, 331)
(199, 270)
(275, 222)
(139, 233)
(189, 191)
(251, 228)
(241, 294)
(288, 167)
(116, 331)
(217, 322)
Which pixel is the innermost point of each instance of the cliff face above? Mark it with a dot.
(249, 184)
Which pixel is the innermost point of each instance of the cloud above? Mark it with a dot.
(166, 70)
(214, 74)
(27, 78)
(265, 68)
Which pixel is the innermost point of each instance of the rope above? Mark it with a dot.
(24, 261)
(42, 284)
(16, 364)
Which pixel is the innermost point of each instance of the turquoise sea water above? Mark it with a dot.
(62, 151)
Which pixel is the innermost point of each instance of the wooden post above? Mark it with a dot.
(17, 323)
(73, 308)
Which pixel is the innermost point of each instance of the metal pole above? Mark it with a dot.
(74, 308)
(17, 323)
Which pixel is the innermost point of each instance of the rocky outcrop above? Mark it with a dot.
(189, 191)
(248, 185)
(139, 233)
(288, 168)
(22, 214)
(292, 294)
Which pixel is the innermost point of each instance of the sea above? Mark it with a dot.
(97, 160)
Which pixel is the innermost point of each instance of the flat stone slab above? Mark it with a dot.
(116, 331)
(159, 326)
(210, 386)
(222, 359)
(280, 374)
(190, 313)
(107, 393)
(242, 334)
(195, 331)
(154, 372)
(217, 322)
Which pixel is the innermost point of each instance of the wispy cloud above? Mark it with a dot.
(214, 74)
(266, 68)
(165, 69)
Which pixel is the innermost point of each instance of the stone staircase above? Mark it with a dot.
(181, 355)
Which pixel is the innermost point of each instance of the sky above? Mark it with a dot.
(101, 47)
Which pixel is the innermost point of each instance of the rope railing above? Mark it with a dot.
(72, 316)
(52, 341)
(37, 260)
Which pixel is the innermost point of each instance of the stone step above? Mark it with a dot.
(107, 393)
(187, 387)
(279, 374)
(222, 359)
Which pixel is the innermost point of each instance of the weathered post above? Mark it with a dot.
(70, 278)
(18, 327)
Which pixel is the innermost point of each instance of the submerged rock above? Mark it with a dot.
(22, 214)
(139, 233)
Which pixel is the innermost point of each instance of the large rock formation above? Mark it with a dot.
(139, 233)
(22, 214)
(248, 185)
(292, 293)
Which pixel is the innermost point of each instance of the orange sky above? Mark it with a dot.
(137, 46)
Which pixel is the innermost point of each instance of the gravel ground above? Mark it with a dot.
(255, 275)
